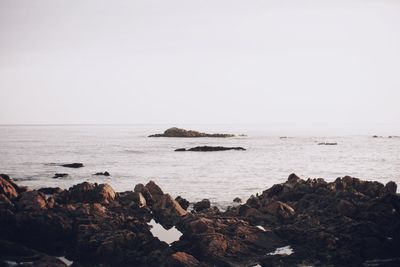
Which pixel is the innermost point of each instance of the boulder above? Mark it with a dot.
(237, 200)
(88, 193)
(183, 202)
(182, 259)
(167, 211)
(51, 190)
(278, 208)
(32, 200)
(7, 189)
(202, 205)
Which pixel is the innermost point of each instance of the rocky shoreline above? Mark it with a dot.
(347, 222)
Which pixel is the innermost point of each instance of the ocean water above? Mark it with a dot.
(32, 154)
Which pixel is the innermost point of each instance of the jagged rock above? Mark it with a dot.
(183, 202)
(135, 199)
(202, 205)
(7, 189)
(279, 208)
(210, 148)
(177, 132)
(72, 165)
(182, 259)
(51, 190)
(87, 192)
(167, 211)
(32, 200)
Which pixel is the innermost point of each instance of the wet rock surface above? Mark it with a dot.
(178, 132)
(72, 165)
(209, 148)
(346, 222)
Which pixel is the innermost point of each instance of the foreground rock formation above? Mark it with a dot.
(343, 223)
(177, 132)
(209, 148)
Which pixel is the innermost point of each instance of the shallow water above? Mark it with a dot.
(31, 154)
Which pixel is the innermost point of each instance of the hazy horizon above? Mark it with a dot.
(291, 63)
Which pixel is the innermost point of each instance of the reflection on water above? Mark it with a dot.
(168, 236)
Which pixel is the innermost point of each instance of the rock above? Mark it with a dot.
(50, 190)
(389, 189)
(237, 200)
(102, 173)
(183, 202)
(32, 200)
(177, 132)
(7, 189)
(280, 209)
(209, 148)
(154, 189)
(202, 205)
(140, 188)
(167, 211)
(327, 144)
(182, 259)
(72, 165)
(60, 175)
(135, 199)
(88, 193)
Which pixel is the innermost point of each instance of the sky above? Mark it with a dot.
(209, 61)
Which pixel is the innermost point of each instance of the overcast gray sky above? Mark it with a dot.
(217, 61)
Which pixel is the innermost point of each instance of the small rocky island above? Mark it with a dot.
(178, 132)
(348, 222)
(209, 148)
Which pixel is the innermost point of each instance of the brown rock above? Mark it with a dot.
(182, 259)
(7, 189)
(279, 208)
(167, 211)
(32, 200)
(202, 205)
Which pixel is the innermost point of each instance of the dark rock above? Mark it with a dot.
(50, 190)
(327, 144)
(167, 211)
(88, 193)
(209, 148)
(177, 132)
(202, 205)
(183, 202)
(237, 200)
(182, 259)
(102, 173)
(72, 165)
(135, 199)
(7, 189)
(32, 200)
(60, 175)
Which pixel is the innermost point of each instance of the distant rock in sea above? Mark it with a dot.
(73, 165)
(327, 144)
(209, 148)
(60, 175)
(178, 132)
(102, 173)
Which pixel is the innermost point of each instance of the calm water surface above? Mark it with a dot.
(31, 155)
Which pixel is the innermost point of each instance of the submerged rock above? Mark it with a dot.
(102, 173)
(60, 175)
(210, 148)
(177, 132)
(327, 144)
(72, 165)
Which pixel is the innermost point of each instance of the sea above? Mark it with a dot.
(32, 154)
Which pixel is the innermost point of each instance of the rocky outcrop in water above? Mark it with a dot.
(102, 173)
(178, 132)
(73, 165)
(342, 223)
(209, 148)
